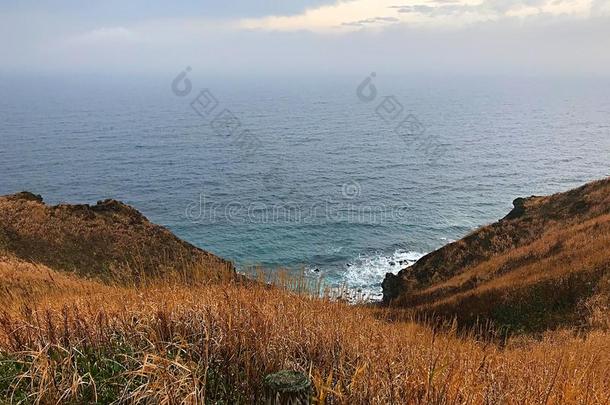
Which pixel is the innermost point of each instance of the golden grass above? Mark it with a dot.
(214, 342)
(182, 328)
(100, 240)
(23, 282)
(540, 270)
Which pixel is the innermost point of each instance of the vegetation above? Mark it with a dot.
(546, 265)
(195, 333)
(215, 342)
(103, 240)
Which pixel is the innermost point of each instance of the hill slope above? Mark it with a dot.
(109, 239)
(70, 339)
(546, 263)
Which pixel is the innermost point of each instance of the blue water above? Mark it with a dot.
(330, 186)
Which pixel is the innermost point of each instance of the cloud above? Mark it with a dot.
(348, 37)
(496, 8)
(600, 7)
(371, 21)
(107, 11)
(357, 14)
(104, 35)
(433, 11)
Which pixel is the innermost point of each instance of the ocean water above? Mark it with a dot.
(322, 179)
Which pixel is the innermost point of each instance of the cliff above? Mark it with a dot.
(545, 264)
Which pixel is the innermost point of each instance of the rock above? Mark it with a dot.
(392, 286)
(287, 387)
(27, 196)
(518, 210)
(392, 264)
(114, 206)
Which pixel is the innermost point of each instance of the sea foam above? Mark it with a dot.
(366, 272)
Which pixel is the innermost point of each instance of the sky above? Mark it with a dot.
(246, 37)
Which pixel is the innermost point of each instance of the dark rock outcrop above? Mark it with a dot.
(392, 286)
(518, 210)
(26, 196)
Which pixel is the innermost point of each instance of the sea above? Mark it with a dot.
(343, 178)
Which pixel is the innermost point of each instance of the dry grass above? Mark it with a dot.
(99, 240)
(540, 285)
(214, 342)
(535, 270)
(181, 328)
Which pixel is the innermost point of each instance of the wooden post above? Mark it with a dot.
(287, 388)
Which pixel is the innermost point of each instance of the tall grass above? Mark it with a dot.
(538, 285)
(213, 342)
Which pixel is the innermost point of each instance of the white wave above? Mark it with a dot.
(365, 273)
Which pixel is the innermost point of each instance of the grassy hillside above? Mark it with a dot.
(546, 264)
(75, 342)
(190, 332)
(109, 240)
